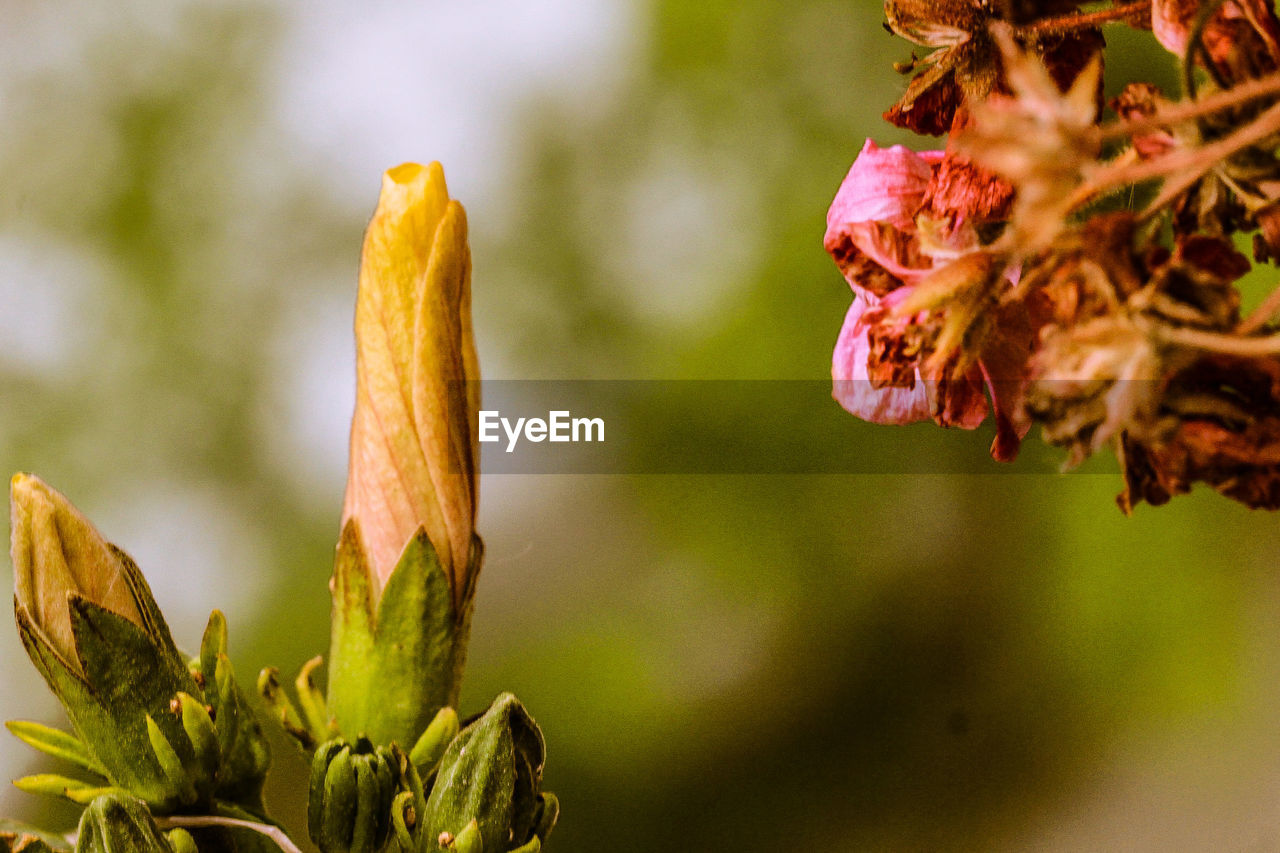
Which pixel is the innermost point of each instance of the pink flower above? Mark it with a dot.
(882, 369)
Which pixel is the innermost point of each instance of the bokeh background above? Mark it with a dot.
(897, 661)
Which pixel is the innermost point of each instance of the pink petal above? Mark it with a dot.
(873, 216)
(851, 386)
(883, 185)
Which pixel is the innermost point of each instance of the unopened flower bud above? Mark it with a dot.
(90, 625)
(57, 553)
(412, 444)
(491, 778)
(405, 571)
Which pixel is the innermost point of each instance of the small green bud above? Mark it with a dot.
(115, 822)
(351, 797)
(181, 841)
(429, 749)
(243, 754)
(286, 713)
(492, 773)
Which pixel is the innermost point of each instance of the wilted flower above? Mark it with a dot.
(1041, 139)
(413, 451)
(1241, 37)
(925, 311)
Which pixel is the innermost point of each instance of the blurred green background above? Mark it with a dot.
(720, 663)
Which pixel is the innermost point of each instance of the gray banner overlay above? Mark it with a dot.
(723, 427)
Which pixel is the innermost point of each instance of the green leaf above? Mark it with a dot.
(17, 837)
(52, 785)
(57, 743)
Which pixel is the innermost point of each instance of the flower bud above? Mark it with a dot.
(491, 776)
(57, 553)
(413, 449)
(405, 571)
(116, 822)
(351, 792)
(87, 620)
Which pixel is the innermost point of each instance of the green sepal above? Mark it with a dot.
(312, 702)
(429, 749)
(177, 769)
(403, 820)
(339, 814)
(548, 812)
(534, 846)
(54, 785)
(18, 837)
(324, 754)
(57, 743)
(244, 756)
(198, 725)
(492, 773)
(395, 662)
(116, 823)
(128, 674)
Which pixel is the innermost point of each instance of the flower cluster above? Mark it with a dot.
(1070, 262)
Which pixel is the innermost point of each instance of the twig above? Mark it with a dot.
(275, 833)
(1264, 312)
(1225, 344)
(1084, 20)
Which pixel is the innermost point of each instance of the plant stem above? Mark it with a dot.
(1225, 344)
(1084, 20)
(1180, 168)
(275, 833)
(1264, 312)
(1184, 110)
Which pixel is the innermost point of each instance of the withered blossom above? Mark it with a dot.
(1012, 274)
(897, 359)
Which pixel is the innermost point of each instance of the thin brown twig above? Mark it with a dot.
(1185, 110)
(1267, 309)
(275, 833)
(1225, 344)
(1180, 168)
(1085, 20)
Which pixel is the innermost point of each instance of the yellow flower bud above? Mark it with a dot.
(413, 447)
(56, 553)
